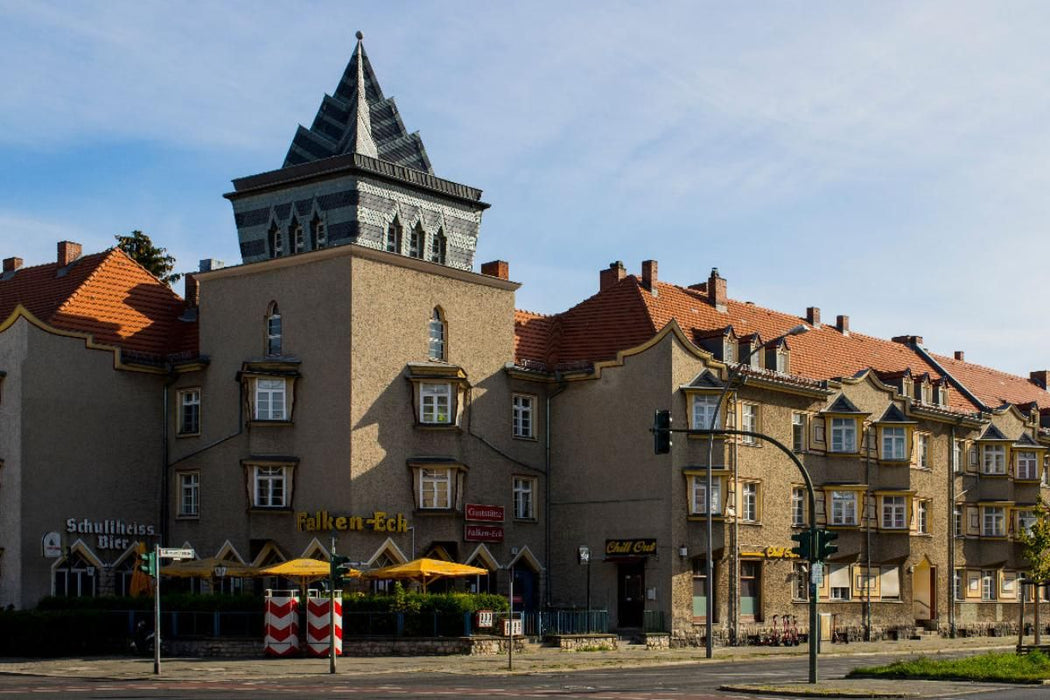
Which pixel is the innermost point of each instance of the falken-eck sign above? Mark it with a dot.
(484, 513)
(482, 533)
(630, 548)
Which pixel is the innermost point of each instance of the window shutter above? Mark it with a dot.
(839, 576)
(889, 582)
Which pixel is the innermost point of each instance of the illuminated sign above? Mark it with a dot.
(630, 548)
(323, 521)
(483, 533)
(489, 514)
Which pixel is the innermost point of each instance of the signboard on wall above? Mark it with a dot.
(484, 513)
(630, 548)
(483, 533)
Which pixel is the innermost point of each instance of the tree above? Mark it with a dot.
(1035, 543)
(141, 249)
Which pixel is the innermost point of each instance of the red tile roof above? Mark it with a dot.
(107, 295)
(626, 315)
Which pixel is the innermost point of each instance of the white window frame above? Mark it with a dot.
(749, 491)
(524, 498)
(989, 585)
(993, 521)
(843, 508)
(1025, 520)
(923, 449)
(274, 332)
(267, 391)
(524, 412)
(993, 460)
(894, 512)
(894, 445)
(1027, 465)
(189, 494)
(431, 482)
(697, 498)
(960, 455)
(437, 336)
(843, 435)
(798, 506)
(957, 522)
(189, 401)
(270, 486)
(703, 407)
(798, 431)
(749, 421)
(922, 514)
(435, 403)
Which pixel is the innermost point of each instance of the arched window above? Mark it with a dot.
(393, 236)
(416, 241)
(75, 577)
(295, 235)
(437, 335)
(276, 240)
(437, 247)
(318, 233)
(273, 330)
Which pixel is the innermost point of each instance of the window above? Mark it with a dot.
(415, 241)
(435, 403)
(973, 456)
(800, 581)
(957, 585)
(436, 335)
(798, 506)
(270, 487)
(318, 233)
(749, 421)
(705, 409)
(781, 360)
(1025, 520)
(893, 446)
(893, 512)
(273, 330)
(957, 522)
(922, 515)
(270, 397)
(295, 234)
(798, 432)
(700, 589)
(755, 359)
(749, 502)
(958, 452)
(993, 459)
(435, 489)
(524, 498)
(843, 508)
(922, 445)
(843, 435)
(393, 236)
(728, 350)
(889, 582)
(994, 522)
(838, 581)
(988, 587)
(699, 496)
(437, 247)
(276, 240)
(75, 577)
(523, 415)
(1027, 466)
(189, 494)
(189, 401)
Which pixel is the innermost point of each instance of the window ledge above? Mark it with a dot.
(435, 511)
(437, 426)
(188, 517)
(260, 421)
(282, 510)
(702, 517)
(527, 438)
(530, 521)
(904, 461)
(752, 523)
(187, 435)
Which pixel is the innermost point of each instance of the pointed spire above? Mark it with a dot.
(361, 137)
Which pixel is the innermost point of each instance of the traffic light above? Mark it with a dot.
(824, 547)
(804, 548)
(148, 563)
(662, 432)
(339, 566)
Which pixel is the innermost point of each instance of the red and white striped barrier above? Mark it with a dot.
(318, 639)
(282, 624)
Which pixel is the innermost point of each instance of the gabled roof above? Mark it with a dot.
(107, 295)
(706, 380)
(894, 415)
(1026, 440)
(358, 119)
(843, 405)
(993, 433)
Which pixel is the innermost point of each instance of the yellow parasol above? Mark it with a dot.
(426, 570)
(205, 568)
(304, 569)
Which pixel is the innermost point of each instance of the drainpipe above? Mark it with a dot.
(547, 485)
(867, 536)
(952, 466)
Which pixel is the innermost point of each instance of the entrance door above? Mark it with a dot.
(923, 587)
(630, 609)
(750, 586)
(525, 589)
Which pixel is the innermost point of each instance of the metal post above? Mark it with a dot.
(510, 643)
(1038, 633)
(156, 610)
(1020, 615)
(331, 614)
(588, 594)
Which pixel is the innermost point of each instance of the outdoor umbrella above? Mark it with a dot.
(305, 570)
(426, 570)
(205, 568)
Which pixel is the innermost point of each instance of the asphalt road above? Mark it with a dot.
(679, 682)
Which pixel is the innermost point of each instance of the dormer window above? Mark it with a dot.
(926, 393)
(436, 349)
(296, 235)
(782, 360)
(318, 233)
(415, 241)
(437, 247)
(393, 236)
(273, 330)
(729, 350)
(276, 240)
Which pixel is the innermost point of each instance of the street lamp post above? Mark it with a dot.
(734, 372)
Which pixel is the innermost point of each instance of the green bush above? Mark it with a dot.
(186, 602)
(61, 632)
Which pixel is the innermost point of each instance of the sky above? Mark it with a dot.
(889, 161)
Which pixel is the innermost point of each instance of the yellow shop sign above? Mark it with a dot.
(770, 553)
(323, 521)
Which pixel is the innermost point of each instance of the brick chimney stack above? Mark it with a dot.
(12, 264)
(908, 339)
(192, 294)
(496, 268)
(611, 275)
(1039, 378)
(649, 276)
(842, 324)
(813, 316)
(68, 252)
(960, 356)
(717, 290)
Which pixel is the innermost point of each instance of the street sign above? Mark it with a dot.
(816, 574)
(176, 553)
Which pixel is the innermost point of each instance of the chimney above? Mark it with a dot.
(813, 316)
(910, 340)
(649, 275)
(716, 290)
(12, 264)
(960, 356)
(68, 252)
(842, 324)
(496, 268)
(611, 275)
(209, 264)
(193, 294)
(1039, 378)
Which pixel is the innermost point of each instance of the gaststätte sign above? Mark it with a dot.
(483, 533)
(630, 548)
(484, 513)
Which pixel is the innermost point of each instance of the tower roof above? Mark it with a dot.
(358, 119)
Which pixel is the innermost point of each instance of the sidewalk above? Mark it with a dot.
(534, 660)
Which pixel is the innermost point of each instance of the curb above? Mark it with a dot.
(807, 690)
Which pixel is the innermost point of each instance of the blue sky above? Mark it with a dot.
(889, 161)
